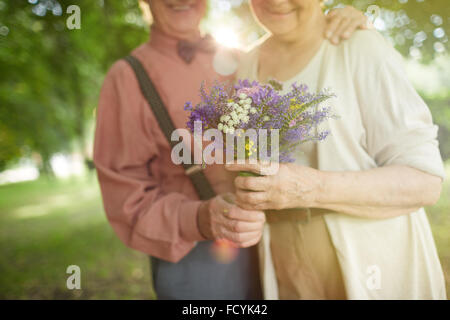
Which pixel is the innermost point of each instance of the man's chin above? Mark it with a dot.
(186, 28)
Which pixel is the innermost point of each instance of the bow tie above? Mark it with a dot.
(187, 50)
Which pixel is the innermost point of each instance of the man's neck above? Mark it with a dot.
(193, 36)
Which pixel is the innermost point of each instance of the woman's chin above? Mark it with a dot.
(282, 33)
(279, 29)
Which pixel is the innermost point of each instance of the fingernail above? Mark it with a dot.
(335, 40)
(328, 34)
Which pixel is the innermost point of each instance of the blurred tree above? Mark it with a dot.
(51, 75)
(418, 28)
(439, 106)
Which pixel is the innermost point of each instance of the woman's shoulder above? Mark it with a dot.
(369, 47)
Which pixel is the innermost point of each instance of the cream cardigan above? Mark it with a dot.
(383, 121)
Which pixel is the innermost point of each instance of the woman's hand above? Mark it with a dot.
(377, 193)
(292, 186)
(342, 23)
(219, 219)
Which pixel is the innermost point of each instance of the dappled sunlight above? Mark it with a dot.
(55, 204)
(23, 173)
(227, 37)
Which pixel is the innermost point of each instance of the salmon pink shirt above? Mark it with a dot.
(149, 201)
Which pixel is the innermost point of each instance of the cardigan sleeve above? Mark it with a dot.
(144, 217)
(398, 123)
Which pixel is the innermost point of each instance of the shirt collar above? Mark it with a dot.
(164, 43)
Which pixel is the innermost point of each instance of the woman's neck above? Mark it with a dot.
(295, 50)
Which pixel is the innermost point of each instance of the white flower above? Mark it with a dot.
(222, 118)
(220, 126)
(248, 100)
(225, 129)
(239, 109)
(230, 123)
(266, 118)
(226, 118)
(230, 104)
(231, 130)
(253, 110)
(247, 106)
(242, 96)
(245, 119)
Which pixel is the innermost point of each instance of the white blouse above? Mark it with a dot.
(382, 121)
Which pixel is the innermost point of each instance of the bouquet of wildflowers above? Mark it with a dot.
(251, 106)
(294, 115)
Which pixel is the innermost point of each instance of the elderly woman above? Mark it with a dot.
(150, 202)
(365, 186)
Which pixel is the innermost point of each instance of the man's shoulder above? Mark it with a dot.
(121, 69)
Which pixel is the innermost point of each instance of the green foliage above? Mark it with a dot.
(440, 108)
(411, 25)
(51, 75)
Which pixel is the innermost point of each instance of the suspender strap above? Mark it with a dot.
(198, 179)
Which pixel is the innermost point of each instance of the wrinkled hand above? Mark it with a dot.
(220, 219)
(342, 23)
(292, 186)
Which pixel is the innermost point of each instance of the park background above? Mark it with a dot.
(51, 214)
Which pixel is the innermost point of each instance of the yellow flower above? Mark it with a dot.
(249, 145)
(296, 106)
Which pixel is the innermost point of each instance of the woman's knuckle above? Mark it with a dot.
(232, 212)
(247, 197)
(240, 227)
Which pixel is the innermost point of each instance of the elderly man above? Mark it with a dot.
(150, 202)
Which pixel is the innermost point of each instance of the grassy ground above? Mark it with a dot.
(45, 226)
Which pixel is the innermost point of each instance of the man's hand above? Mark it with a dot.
(342, 23)
(221, 219)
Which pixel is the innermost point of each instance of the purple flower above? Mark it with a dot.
(296, 114)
